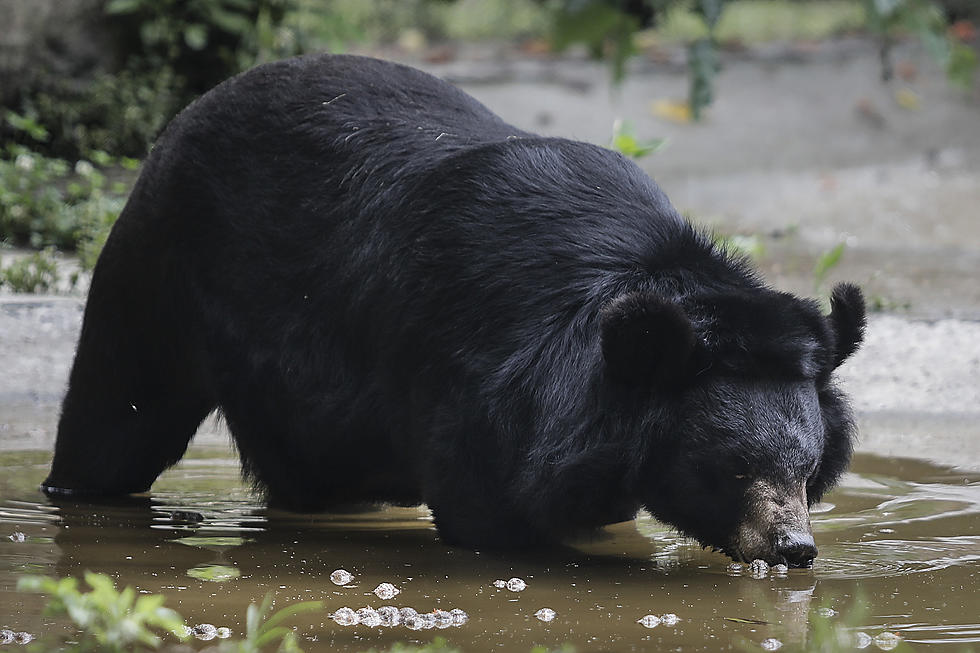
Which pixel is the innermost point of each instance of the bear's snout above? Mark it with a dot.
(797, 548)
(776, 526)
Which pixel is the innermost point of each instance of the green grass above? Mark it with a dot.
(760, 21)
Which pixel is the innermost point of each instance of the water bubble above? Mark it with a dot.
(6, 636)
(443, 618)
(862, 640)
(516, 585)
(386, 591)
(414, 622)
(205, 632)
(369, 617)
(18, 537)
(341, 577)
(23, 638)
(345, 617)
(771, 644)
(649, 621)
(389, 615)
(545, 614)
(735, 568)
(500, 583)
(780, 569)
(887, 641)
(407, 612)
(224, 633)
(459, 617)
(826, 612)
(428, 620)
(669, 619)
(759, 569)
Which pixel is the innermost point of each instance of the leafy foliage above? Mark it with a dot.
(625, 142)
(110, 620)
(203, 40)
(33, 274)
(607, 28)
(887, 19)
(122, 113)
(45, 202)
(263, 629)
(825, 263)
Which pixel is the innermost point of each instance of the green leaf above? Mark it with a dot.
(962, 66)
(27, 125)
(123, 6)
(702, 68)
(196, 36)
(599, 26)
(292, 610)
(625, 142)
(271, 635)
(827, 261)
(230, 21)
(99, 582)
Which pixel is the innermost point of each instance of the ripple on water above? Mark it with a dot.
(886, 558)
(919, 633)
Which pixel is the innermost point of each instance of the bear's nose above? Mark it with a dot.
(798, 549)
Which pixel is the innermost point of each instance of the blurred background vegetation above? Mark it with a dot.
(80, 106)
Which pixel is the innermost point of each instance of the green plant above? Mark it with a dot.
(887, 19)
(115, 621)
(33, 274)
(825, 263)
(624, 141)
(748, 246)
(46, 202)
(109, 620)
(608, 27)
(203, 40)
(263, 629)
(121, 113)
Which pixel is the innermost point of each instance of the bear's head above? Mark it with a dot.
(744, 429)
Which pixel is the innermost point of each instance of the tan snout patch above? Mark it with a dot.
(772, 511)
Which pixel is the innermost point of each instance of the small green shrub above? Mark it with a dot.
(116, 621)
(926, 20)
(204, 41)
(46, 202)
(825, 263)
(625, 142)
(263, 628)
(121, 113)
(35, 274)
(110, 620)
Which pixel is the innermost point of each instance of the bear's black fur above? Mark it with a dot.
(392, 295)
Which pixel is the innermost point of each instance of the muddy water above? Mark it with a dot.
(903, 536)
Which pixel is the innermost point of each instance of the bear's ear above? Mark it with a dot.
(847, 317)
(646, 339)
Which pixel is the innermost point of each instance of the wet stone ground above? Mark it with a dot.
(799, 153)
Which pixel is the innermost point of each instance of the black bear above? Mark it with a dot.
(392, 295)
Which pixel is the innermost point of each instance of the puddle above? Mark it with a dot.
(902, 535)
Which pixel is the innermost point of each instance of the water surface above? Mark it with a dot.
(901, 536)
